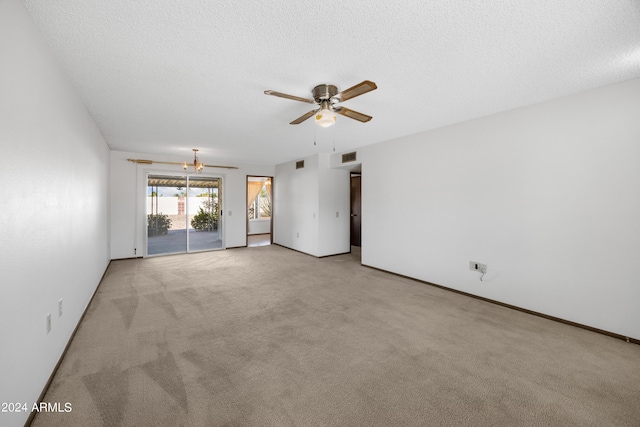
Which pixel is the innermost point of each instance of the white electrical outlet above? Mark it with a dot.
(48, 322)
(476, 266)
(60, 307)
(297, 234)
(337, 214)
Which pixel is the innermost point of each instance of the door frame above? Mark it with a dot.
(143, 218)
(246, 209)
(352, 176)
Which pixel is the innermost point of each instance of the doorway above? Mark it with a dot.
(259, 210)
(356, 209)
(183, 214)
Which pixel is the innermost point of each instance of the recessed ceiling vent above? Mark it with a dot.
(299, 164)
(349, 157)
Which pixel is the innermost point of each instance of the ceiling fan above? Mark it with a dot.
(326, 97)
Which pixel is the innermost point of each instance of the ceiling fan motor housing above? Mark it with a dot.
(324, 93)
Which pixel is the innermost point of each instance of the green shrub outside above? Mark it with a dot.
(207, 217)
(158, 224)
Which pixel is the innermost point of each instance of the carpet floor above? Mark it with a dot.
(267, 336)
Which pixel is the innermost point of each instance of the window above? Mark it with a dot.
(261, 205)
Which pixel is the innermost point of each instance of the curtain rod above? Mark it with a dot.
(150, 162)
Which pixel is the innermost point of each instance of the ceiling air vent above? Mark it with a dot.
(299, 164)
(349, 157)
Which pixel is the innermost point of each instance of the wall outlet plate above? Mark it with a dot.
(477, 266)
(60, 307)
(48, 322)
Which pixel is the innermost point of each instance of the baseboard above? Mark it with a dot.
(306, 253)
(514, 307)
(295, 250)
(66, 347)
(342, 253)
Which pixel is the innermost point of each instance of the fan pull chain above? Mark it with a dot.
(314, 135)
(334, 138)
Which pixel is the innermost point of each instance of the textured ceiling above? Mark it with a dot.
(166, 76)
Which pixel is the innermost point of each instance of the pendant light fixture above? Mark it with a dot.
(198, 166)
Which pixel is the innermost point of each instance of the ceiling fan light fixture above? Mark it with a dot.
(325, 95)
(325, 118)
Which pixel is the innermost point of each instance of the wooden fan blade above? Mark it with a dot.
(352, 114)
(303, 117)
(357, 90)
(284, 95)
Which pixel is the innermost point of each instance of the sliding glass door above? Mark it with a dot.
(166, 215)
(183, 214)
(203, 205)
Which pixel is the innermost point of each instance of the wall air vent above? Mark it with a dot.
(299, 164)
(349, 157)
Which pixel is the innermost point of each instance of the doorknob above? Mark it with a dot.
(354, 215)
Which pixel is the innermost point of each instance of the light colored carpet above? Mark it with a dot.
(270, 337)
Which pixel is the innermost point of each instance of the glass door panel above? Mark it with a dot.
(203, 207)
(166, 214)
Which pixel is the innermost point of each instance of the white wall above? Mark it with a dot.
(128, 189)
(170, 205)
(259, 226)
(54, 217)
(547, 196)
(335, 190)
(296, 198)
(306, 201)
